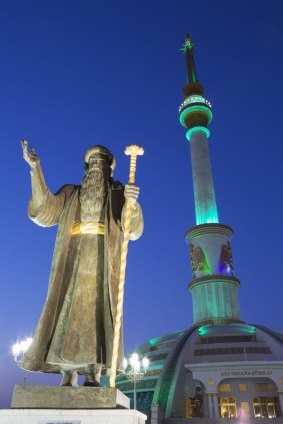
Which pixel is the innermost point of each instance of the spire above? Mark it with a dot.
(188, 49)
(196, 115)
(192, 86)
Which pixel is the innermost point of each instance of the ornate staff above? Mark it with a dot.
(133, 151)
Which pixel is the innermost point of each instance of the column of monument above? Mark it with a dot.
(214, 287)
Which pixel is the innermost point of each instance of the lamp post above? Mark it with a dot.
(18, 351)
(135, 370)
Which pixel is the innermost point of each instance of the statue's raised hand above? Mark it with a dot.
(29, 155)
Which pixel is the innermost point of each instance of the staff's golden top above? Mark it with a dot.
(133, 149)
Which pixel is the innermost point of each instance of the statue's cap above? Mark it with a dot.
(101, 150)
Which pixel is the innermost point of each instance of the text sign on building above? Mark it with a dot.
(250, 373)
(59, 422)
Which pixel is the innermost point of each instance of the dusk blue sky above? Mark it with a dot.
(78, 73)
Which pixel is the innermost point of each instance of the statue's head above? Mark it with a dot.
(99, 165)
(96, 154)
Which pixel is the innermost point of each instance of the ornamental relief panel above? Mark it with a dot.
(226, 260)
(198, 261)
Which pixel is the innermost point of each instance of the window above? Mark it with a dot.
(153, 372)
(193, 408)
(227, 407)
(232, 351)
(224, 388)
(164, 345)
(158, 357)
(265, 387)
(190, 408)
(266, 407)
(242, 387)
(258, 350)
(228, 339)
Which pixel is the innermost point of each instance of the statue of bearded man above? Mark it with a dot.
(75, 331)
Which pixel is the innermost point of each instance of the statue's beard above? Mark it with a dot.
(93, 194)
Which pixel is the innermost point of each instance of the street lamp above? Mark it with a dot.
(18, 351)
(135, 370)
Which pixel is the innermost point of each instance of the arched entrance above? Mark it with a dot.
(194, 401)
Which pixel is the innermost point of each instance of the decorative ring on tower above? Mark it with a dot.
(217, 278)
(194, 129)
(204, 229)
(195, 114)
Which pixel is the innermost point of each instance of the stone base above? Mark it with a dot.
(54, 397)
(83, 416)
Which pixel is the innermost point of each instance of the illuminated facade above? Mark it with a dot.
(221, 368)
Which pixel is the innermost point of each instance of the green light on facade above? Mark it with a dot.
(234, 329)
(206, 213)
(194, 99)
(252, 329)
(194, 129)
(207, 218)
(154, 341)
(203, 330)
(168, 337)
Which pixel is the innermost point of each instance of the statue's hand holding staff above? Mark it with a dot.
(131, 193)
(29, 155)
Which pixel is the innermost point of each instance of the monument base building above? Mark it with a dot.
(210, 372)
(221, 369)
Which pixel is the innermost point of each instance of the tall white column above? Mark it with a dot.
(215, 405)
(281, 402)
(210, 405)
(204, 194)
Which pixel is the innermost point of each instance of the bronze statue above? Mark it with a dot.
(75, 331)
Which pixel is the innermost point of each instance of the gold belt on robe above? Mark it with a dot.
(88, 228)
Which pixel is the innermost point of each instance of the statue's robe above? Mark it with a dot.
(77, 323)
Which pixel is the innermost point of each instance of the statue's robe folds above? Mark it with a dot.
(77, 323)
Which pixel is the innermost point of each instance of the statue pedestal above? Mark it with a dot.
(78, 416)
(69, 405)
(57, 397)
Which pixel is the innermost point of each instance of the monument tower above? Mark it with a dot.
(214, 287)
(220, 367)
